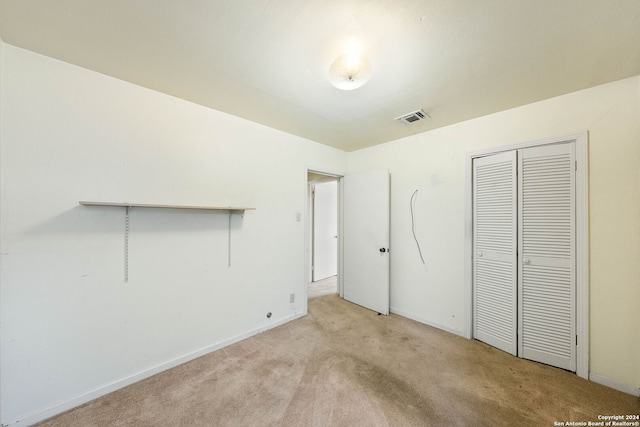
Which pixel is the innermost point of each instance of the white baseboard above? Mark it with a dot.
(426, 322)
(615, 384)
(116, 385)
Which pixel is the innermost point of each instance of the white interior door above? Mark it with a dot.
(325, 230)
(547, 255)
(366, 240)
(495, 250)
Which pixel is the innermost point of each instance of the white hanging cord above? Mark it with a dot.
(413, 225)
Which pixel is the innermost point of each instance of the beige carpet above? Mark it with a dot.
(346, 366)
(323, 287)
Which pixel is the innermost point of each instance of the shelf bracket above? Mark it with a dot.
(126, 244)
(229, 242)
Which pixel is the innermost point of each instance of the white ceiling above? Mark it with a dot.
(267, 60)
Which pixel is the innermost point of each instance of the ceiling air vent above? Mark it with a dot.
(414, 116)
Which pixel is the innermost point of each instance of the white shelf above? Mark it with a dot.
(150, 205)
(127, 206)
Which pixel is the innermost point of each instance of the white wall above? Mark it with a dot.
(71, 328)
(434, 163)
(1, 103)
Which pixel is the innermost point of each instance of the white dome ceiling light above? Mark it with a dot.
(351, 70)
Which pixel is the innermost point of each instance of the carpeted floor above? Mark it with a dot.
(343, 365)
(322, 287)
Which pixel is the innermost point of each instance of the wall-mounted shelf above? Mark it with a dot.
(150, 205)
(127, 206)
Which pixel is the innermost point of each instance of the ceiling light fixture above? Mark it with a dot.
(349, 71)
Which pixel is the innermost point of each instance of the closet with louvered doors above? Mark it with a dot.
(524, 253)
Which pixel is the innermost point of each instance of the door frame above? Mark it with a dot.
(582, 239)
(307, 227)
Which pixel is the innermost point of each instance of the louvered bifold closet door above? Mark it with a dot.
(547, 246)
(495, 259)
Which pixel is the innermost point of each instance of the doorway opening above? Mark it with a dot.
(324, 222)
(363, 236)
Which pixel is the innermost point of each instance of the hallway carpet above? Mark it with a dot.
(343, 365)
(322, 287)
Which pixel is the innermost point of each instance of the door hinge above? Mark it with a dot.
(576, 340)
(576, 163)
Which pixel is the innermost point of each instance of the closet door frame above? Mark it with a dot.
(582, 239)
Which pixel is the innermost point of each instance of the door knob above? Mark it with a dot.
(383, 250)
(479, 254)
(525, 260)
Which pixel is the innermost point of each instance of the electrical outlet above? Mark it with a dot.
(292, 298)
